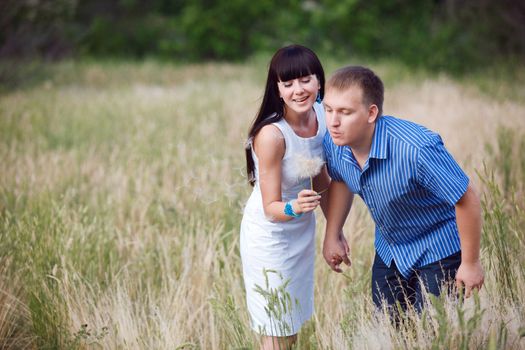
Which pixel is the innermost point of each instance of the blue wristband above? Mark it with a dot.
(288, 210)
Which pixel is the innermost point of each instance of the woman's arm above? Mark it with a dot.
(269, 146)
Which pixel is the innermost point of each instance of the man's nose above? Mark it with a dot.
(334, 120)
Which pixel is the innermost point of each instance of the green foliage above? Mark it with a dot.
(36, 28)
(235, 330)
(279, 304)
(448, 333)
(47, 321)
(440, 35)
(223, 30)
(87, 336)
(498, 338)
(504, 214)
(279, 307)
(468, 324)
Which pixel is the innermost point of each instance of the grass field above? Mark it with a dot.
(121, 193)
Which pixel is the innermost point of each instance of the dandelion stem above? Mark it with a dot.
(322, 191)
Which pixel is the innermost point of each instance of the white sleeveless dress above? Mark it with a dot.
(278, 257)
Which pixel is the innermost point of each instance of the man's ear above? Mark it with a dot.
(372, 113)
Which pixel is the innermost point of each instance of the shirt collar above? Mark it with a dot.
(379, 146)
(349, 156)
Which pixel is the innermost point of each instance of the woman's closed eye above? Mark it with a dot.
(304, 80)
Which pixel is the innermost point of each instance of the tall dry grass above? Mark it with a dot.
(121, 192)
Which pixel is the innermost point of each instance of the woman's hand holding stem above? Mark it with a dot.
(307, 200)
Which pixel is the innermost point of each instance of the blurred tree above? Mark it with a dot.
(452, 35)
(225, 29)
(35, 28)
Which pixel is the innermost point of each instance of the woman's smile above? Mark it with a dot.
(300, 99)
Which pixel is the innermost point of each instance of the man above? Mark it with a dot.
(427, 216)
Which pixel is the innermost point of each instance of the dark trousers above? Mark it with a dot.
(390, 287)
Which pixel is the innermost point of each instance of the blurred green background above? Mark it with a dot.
(456, 36)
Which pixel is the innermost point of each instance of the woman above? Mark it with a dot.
(284, 154)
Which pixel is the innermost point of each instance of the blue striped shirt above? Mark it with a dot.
(410, 184)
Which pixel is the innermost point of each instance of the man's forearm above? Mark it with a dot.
(339, 201)
(468, 216)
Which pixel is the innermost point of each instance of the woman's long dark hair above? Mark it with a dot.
(288, 63)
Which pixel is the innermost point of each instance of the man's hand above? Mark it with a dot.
(335, 251)
(470, 276)
(335, 247)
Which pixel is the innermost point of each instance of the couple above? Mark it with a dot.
(427, 216)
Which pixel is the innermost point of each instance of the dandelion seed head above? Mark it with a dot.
(307, 167)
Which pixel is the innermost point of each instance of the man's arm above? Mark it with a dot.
(468, 215)
(335, 247)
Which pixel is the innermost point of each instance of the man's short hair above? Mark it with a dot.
(365, 78)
